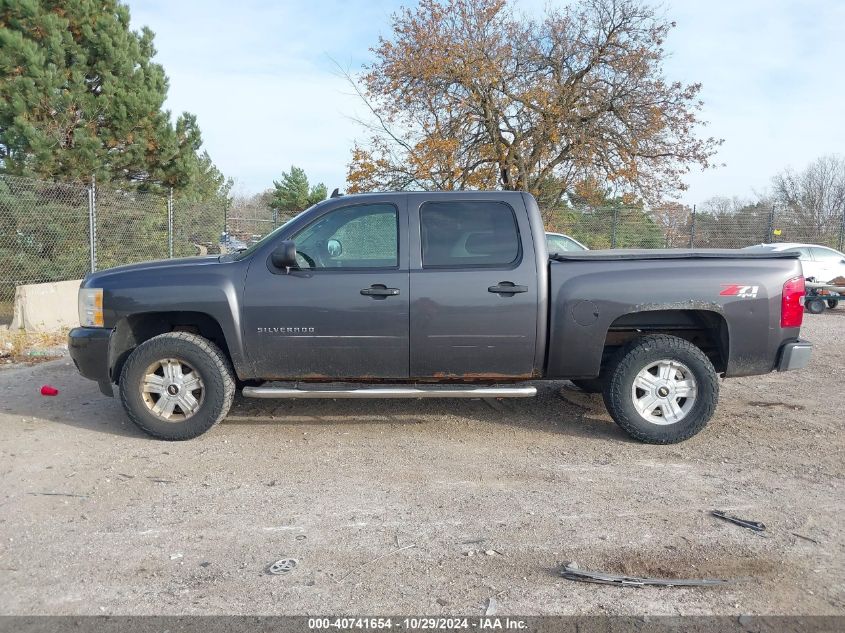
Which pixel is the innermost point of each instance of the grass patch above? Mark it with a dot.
(18, 346)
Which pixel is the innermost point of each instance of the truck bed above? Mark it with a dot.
(668, 253)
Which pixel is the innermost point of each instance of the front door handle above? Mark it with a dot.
(379, 291)
(507, 288)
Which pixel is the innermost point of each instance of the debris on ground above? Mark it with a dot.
(282, 566)
(176, 556)
(491, 607)
(378, 558)
(751, 525)
(806, 538)
(49, 390)
(571, 572)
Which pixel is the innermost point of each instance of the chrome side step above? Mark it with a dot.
(391, 392)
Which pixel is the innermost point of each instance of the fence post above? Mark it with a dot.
(92, 224)
(842, 230)
(692, 229)
(771, 226)
(170, 223)
(226, 216)
(613, 227)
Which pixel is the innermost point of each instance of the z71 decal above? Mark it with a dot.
(738, 290)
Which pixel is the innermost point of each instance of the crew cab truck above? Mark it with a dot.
(449, 294)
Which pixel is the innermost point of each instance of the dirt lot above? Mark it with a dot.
(95, 517)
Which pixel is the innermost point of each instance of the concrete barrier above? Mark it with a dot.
(46, 307)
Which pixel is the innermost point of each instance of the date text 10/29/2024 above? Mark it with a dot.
(484, 623)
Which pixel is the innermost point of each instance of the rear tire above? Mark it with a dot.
(815, 306)
(661, 389)
(176, 386)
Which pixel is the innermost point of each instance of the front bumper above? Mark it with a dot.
(89, 349)
(794, 355)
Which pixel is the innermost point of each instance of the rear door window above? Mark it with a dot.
(469, 234)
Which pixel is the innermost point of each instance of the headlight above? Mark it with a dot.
(91, 307)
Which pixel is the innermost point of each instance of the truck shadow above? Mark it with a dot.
(557, 409)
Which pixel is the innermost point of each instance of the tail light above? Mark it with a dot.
(791, 308)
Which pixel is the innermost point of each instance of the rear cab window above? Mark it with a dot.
(469, 234)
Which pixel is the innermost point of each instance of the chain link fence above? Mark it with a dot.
(687, 227)
(52, 231)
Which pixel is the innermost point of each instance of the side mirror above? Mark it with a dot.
(285, 255)
(334, 247)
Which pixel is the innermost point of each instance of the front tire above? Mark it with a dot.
(176, 386)
(661, 389)
(832, 303)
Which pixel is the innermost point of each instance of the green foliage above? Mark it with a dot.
(595, 228)
(612, 223)
(81, 96)
(293, 193)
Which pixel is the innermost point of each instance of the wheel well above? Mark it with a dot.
(137, 328)
(705, 329)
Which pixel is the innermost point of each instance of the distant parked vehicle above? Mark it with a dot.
(231, 244)
(560, 243)
(819, 262)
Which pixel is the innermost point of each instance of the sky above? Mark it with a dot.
(264, 80)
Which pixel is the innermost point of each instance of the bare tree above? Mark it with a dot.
(815, 195)
(674, 219)
(467, 94)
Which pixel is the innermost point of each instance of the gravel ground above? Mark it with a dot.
(431, 507)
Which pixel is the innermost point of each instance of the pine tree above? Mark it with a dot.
(81, 96)
(294, 194)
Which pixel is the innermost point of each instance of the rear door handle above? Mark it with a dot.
(507, 288)
(379, 291)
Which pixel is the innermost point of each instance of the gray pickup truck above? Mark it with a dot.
(432, 295)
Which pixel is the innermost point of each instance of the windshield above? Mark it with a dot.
(241, 254)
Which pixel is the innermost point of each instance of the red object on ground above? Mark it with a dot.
(47, 390)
